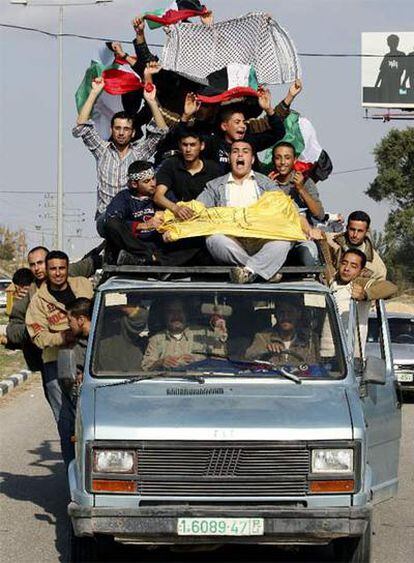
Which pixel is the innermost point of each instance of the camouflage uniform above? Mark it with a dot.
(198, 342)
(305, 348)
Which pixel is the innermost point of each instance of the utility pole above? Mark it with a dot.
(59, 192)
(59, 183)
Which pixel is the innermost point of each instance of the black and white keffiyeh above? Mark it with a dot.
(197, 50)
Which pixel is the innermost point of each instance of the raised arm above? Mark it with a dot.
(276, 130)
(313, 204)
(282, 109)
(294, 89)
(151, 99)
(86, 110)
(121, 54)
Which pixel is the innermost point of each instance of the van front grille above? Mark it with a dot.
(222, 469)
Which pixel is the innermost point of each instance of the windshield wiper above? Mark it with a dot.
(188, 376)
(274, 367)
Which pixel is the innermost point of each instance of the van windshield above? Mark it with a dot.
(216, 333)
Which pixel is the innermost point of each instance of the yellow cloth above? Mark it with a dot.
(274, 216)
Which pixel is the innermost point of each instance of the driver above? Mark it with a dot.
(284, 341)
(179, 344)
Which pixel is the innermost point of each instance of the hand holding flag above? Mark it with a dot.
(150, 94)
(138, 23)
(265, 100)
(295, 88)
(98, 85)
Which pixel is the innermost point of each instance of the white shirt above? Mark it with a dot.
(342, 295)
(244, 194)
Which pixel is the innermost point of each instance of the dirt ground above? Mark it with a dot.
(402, 303)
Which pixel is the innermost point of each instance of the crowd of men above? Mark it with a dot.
(214, 161)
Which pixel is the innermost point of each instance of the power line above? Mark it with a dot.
(354, 170)
(37, 192)
(158, 45)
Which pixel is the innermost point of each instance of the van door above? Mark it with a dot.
(382, 411)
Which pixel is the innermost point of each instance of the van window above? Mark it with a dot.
(401, 330)
(219, 333)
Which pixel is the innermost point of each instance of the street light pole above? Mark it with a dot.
(59, 194)
(59, 187)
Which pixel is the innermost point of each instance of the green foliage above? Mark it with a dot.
(394, 157)
(7, 244)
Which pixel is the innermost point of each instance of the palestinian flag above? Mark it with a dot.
(234, 82)
(119, 79)
(174, 13)
(312, 160)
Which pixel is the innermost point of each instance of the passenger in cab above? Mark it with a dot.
(181, 344)
(287, 339)
(124, 343)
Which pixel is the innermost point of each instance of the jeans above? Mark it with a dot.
(305, 253)
(263, 257)
(62, 408)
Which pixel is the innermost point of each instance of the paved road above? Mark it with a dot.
(33, 522)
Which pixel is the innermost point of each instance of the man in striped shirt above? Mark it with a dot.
(115, 155)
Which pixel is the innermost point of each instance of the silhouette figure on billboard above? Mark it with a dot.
(409, 71)
(391, 69)
(396, 71)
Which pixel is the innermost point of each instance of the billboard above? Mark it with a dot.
(388, 69)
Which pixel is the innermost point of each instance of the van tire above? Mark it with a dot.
(83, 549)
(354, 550)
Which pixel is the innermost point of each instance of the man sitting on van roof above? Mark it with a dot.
(240, 188)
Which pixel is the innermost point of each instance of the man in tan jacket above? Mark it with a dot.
(48, 327)
(357, 236)
(354, 280)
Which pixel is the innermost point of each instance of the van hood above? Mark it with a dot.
(158, 410)
(403, 354)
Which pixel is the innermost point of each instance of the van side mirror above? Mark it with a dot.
(374, 371)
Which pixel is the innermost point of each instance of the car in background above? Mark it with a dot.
(401, 327)
(4, 284)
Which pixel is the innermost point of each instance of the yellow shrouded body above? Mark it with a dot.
(274, 216)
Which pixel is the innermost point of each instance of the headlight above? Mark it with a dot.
(113, 461)
(332, 461)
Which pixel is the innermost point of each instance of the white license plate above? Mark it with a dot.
(220, 527)
(405, 376)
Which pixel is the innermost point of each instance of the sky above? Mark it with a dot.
(331, 99)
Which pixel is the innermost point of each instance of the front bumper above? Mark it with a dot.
(158, 525)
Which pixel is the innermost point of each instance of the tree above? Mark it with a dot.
(394, 156)
(7, 244)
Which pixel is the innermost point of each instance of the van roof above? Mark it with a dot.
(297, 278)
